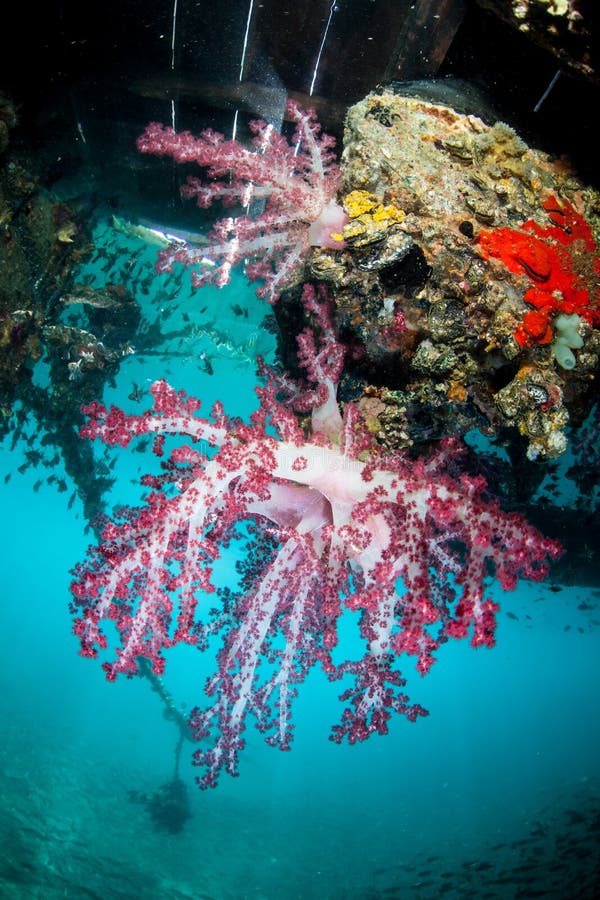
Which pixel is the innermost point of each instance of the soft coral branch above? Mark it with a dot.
(297, 182)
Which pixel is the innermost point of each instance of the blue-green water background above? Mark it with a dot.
(511, 743)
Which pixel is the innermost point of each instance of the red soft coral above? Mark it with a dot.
(561, 262)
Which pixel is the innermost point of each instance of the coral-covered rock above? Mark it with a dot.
(489, 242)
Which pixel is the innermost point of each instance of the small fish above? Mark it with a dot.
(137, 394)
(34, 457)
(157, 235)
(206, 364)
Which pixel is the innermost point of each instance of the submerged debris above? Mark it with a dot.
(42, 243)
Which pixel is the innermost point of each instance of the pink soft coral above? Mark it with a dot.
(329, 526)
(296, 181)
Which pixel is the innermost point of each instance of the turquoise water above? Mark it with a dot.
(480, 799)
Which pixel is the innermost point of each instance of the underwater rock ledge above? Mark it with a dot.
(468, 287)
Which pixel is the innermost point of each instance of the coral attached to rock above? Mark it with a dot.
(464, 248)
